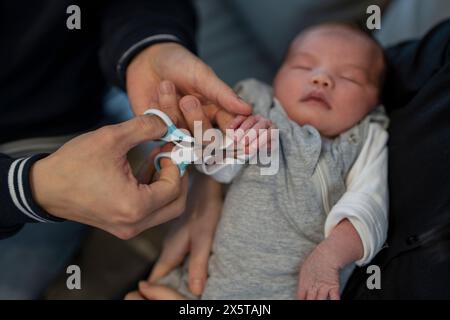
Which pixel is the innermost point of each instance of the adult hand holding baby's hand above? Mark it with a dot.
(191, 76)
(252, 133)
(90, 180)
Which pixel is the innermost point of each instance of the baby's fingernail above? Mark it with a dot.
(166, 87)
(144, 284)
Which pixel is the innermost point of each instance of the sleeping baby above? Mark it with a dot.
(299, 233)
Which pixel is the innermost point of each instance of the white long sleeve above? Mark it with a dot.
(223, 173)
(365, 203)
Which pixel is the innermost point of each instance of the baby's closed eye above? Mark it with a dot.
(355, 76)
(305, 67)
(303, 61)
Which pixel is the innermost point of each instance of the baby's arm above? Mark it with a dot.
(319, 274)
(356, 226)
(365, 203)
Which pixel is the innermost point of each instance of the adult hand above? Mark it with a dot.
(173, 62)
(193, 232)
(89, 180)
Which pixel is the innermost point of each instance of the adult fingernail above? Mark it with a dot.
(243, 103)
(166, 87)
(188, 104)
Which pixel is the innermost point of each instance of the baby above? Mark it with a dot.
(298, 233)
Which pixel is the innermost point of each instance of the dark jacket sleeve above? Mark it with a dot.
(129, 26)
(412, 64)
(17, 206)
(415, 263)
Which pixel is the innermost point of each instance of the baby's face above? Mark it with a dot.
(330, 79)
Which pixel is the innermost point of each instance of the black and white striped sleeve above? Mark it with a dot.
(17, 205)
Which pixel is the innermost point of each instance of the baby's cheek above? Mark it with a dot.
(353, 112)
(345, 113)
(293, 109)
(287, 83)
(287, 93)
(280, 87)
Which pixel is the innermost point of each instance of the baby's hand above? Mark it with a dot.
(319, 275)
(251, 133)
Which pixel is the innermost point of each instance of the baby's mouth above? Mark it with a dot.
(317, 98)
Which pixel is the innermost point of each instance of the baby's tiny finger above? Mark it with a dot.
(322, 293)
(237, 122)
(250, 136)
(311, 293)
(241, 131)
(301, 293)
(256, 130)
(262, 123)
(334, 294)
(248, 123)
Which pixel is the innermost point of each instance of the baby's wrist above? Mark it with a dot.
(341, 253)
(329, 250)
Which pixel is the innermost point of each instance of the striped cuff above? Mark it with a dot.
(20, 190)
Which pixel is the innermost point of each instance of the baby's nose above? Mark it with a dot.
(321, 79)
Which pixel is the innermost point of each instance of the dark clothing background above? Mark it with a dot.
(416, 263)
(53, 79)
